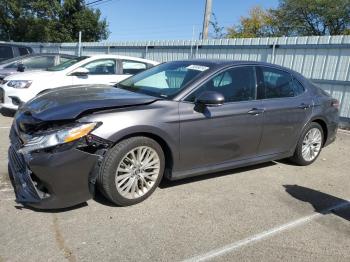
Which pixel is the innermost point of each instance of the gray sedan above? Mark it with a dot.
(177, 120)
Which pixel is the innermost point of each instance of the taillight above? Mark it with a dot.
(335, 103)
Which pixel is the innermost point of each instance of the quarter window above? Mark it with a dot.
(64, 59)
(236, 84)
(101, 67)
(298, 88)
(23, 51)
(133, 67)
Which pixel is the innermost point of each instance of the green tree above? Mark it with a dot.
(259, 23)
(296, 18)
(313, 17)
(50, 21)
(216, 31)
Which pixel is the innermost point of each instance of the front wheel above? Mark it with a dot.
(309, 145)
(131, 171)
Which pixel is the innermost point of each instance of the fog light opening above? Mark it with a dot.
(16, 101)
(40, 187)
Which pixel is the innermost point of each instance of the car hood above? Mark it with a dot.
(32, 75)
(7, 71)
(69, 102)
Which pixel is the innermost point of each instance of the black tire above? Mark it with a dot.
(106, 177)
(298, 158)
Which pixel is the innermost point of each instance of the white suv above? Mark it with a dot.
(97, 69)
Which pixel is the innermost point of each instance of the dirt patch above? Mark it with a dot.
(68, 254)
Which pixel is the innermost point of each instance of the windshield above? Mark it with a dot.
(165, 80)
(66, 64)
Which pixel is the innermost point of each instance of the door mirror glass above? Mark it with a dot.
(210, 98)
(81, 71)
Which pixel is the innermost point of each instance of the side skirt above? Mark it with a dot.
(226, 166)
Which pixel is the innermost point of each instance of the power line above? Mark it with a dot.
(97, 2)
(93, 2)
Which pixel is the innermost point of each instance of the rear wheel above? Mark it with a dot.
(309, 145)
(131, 171)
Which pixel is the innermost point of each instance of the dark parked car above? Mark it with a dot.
(32, 62)
(179, 119)
(8, 51)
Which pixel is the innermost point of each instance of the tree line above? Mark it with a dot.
(61, 20)
(291, 18)
(50, 21)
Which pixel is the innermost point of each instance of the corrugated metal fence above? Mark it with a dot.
(323, 59)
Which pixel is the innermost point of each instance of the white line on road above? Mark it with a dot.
(343, 131)
(263, 235)
(5, 127)
(6, 190)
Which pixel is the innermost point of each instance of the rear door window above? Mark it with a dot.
(6, 52)
(101, 67)
(274, 83)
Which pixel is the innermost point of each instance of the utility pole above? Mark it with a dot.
(206, 21)
(79, 44)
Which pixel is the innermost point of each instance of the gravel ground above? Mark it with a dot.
(274, 211)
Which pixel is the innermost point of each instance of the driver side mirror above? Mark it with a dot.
(210, 98)
(81, 71)
(21, 67)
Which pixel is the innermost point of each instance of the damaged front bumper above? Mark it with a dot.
(51, 180)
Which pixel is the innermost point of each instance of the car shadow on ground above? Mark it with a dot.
(60, 210)
(165, 183)
(321, 202)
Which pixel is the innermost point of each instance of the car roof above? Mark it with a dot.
(217, 64)
(15, 45)
(123, 57)
(18, 58)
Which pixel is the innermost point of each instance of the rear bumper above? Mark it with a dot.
(51, 180)
(332, 134)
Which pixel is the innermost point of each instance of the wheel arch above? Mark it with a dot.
(168, 152)
(322, 122)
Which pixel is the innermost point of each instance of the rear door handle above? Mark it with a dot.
(304, 106)
(256, 111)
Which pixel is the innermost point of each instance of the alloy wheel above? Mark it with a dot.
(137, 172)
(312, 144)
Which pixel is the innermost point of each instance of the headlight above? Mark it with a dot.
(19, 83)
(59, 137)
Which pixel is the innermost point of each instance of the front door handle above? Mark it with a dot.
(256, 111)
(304, 106)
